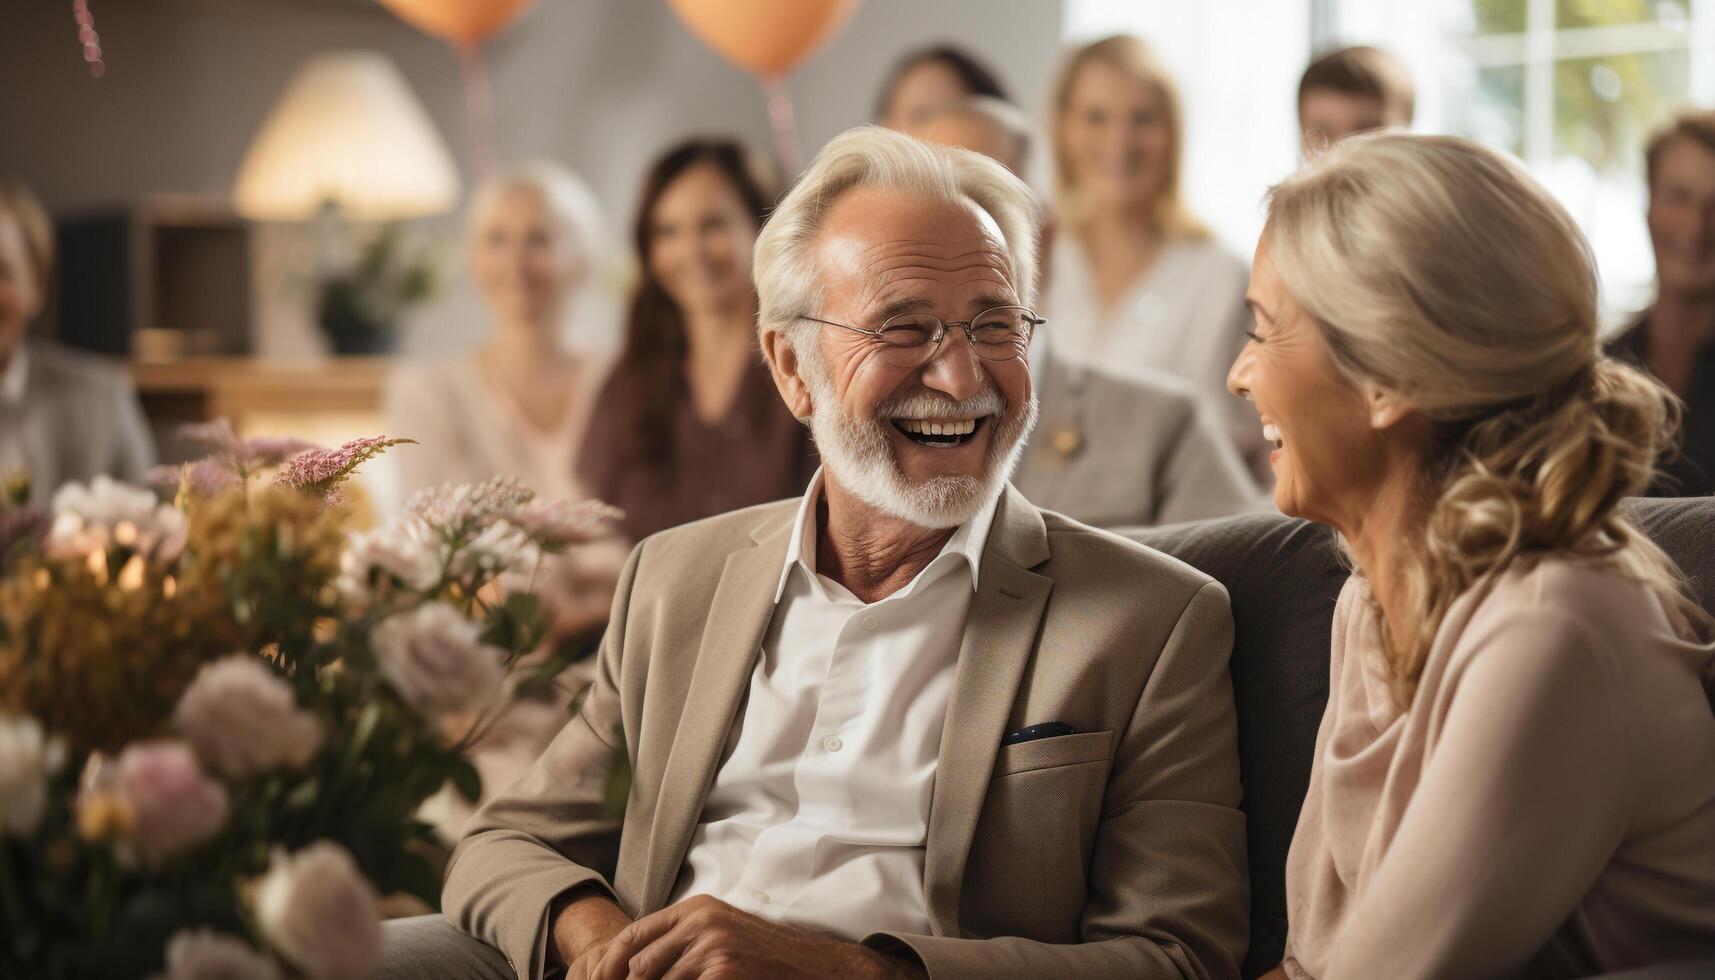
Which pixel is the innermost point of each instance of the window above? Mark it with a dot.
(1572, 87)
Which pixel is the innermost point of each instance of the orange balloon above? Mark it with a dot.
(463, 22)
(768, 37)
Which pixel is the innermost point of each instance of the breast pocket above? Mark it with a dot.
(1030, 858)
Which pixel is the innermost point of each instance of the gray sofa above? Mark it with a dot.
(1283, 575)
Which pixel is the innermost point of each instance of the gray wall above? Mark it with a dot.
(597, 84)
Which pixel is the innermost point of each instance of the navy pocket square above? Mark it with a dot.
(1048, 729)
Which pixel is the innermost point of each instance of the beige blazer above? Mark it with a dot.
(1117, 851)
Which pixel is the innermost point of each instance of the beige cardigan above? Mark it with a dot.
(1546, 805)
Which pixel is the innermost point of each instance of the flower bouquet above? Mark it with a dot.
(220, 716)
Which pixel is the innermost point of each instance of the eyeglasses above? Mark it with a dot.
(911, 339)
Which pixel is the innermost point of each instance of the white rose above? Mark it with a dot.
(498, 549)
(207, 955)
(432, 656)
(403, 552)
(108, 512)
(242, 719)
(316, 909)
(27, 759)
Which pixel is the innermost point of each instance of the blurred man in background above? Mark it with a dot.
(1351, 90)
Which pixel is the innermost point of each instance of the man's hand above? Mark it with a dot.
(582, 930)
(705, 937)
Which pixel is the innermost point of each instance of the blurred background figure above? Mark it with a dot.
(63, 416)
(1675, 338)
(1351, 90)
(1136, 284)
(929, 79)
(689, 423)
(1110, 451)
(517, 404)
(984, 124)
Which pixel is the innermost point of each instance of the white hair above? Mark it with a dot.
(870, 156)
(570, 203)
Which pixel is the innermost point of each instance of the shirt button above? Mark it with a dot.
(833, 743)
(869, 622)
(760, 896)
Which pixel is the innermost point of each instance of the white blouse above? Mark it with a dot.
(1185, 316)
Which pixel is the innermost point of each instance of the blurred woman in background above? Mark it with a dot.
(930, 79)
(515, 405)
(1515, 773)
(689, 424)
(63, 416)
(1135, 284)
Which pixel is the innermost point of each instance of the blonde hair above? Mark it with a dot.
(1439, 271)
(870, 156)
(1132, 56)
(21, 207)
(569, 202)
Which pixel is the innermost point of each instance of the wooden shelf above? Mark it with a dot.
(239, 386)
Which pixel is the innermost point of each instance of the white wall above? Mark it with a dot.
(600, 85)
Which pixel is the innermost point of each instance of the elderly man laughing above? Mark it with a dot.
(909, 724)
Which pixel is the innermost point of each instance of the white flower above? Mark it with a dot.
(404, 553)
(107, 513)
(242, 719)
(432, 656)
(461, 509)
(204, 954)
(27, 759)
(500, 548)
(317, 910)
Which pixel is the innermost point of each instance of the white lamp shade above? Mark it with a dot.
(348, 132)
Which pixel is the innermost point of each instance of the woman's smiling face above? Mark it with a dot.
(1328, 458)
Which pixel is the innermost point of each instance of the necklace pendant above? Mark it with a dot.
(1067, 441)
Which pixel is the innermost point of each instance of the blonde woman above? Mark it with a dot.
(1135, 284)
(517, 404)
(1516, 771)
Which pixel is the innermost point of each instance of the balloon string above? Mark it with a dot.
(479, 107)
(783, 122)
(88, 38)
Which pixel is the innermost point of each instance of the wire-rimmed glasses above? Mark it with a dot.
(911, 339)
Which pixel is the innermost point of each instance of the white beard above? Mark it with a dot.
(860, 455)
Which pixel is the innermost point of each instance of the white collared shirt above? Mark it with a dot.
(14, 385)
(820, 811)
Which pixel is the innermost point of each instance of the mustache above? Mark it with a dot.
(934, 405)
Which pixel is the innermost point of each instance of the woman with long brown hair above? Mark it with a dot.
(689, 423)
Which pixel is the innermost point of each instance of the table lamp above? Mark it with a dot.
(350, 142)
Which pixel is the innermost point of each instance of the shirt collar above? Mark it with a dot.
(967, 542)
(14, 377)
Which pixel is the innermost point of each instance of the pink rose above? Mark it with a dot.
(319, 912)
(173, 804)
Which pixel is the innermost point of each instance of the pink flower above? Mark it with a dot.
(241, 455)
(317, 910)
(321, 471)
(458, 511)
(203, 478)
(243, 719)
(555, 525)
(204, 954)
(174, 805)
